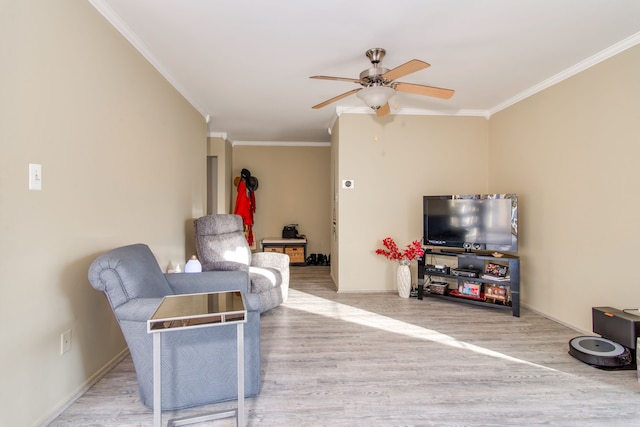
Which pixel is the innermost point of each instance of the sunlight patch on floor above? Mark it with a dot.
(335, 310)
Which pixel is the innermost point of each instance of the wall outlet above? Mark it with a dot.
(65, 342)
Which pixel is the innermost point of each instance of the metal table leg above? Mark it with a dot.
(157, 382)
(240, 339)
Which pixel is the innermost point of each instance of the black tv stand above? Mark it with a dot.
(446, 252)
(474, 261)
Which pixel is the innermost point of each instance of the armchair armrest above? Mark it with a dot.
(137, 309)
(208, 281)
(276, 260)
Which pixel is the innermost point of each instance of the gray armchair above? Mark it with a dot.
(221, 245)
(198, 366)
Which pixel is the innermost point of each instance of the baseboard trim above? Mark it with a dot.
(367, 291)
(539, 313)
(84, 387)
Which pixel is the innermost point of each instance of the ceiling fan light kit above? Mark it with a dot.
(378, 83)
(376, 96)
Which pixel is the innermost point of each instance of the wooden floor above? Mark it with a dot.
(333, 359)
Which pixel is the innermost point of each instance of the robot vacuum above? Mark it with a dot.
(616, 349)
(601, 353)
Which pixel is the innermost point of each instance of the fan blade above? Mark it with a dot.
(341, 79)
(424, 90)
(384, 110)
(336, 98)
(406, 68)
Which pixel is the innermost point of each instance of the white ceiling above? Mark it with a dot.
(245, 64)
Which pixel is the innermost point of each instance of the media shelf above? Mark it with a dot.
(484, 290)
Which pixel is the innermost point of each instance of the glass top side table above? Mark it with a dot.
(188, 311)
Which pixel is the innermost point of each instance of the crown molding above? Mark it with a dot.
(409, 112)
(222, 135)
(459, 113)
(570, 72)
(281, 144)
(110, 15)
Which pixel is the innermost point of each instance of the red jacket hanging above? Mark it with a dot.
(245, 206)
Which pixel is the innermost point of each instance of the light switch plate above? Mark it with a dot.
(35, 176)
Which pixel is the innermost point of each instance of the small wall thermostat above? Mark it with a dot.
(347, 183)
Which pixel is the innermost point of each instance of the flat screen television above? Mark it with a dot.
(472, 221)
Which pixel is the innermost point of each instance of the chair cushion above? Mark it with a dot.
(224, 266)
(263, 279)
(221, 238)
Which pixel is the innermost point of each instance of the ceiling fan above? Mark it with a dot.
(378, 83)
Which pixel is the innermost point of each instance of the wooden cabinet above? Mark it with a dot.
(295, 248)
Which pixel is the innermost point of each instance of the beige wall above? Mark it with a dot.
(123, 161)
(294, 188)
(394, 162)
(571, 153)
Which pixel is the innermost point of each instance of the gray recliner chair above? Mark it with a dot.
(222, 245)
(199, 365)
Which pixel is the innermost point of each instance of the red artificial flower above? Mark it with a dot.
(391, 251)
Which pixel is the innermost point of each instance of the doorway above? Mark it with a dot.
(212, 185)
